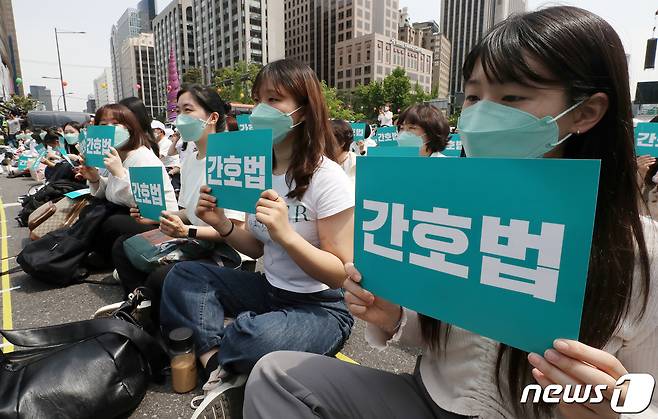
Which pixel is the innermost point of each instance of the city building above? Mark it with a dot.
(464, 22)
(10, 63)
(173, 29)
(128, 25)
(146, 10)
(313, 28)
(138, 72)
(91, 104)
(104, 88)
(373, 57)
(43, 96)
(229, 31)
(427, 35)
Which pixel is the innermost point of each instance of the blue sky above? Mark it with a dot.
(84, 56)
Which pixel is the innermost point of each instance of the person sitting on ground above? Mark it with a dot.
(345, 138)
(426, 125)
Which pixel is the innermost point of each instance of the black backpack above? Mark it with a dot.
(51, 191)
(56, 257)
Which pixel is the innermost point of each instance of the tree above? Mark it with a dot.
(234, 83)
(173, 86)
(396, 88)
(337, 108)
(19, 104)
(193, 75)
(417, 95)
(368, 98)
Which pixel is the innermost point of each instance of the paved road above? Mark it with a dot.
(37, 304)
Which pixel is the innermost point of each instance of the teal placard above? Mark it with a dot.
(508, 262)
(239, 167)
(37, 161)
(359, 129)
(386, 136)
(78, 193)
(244, 122)
(65, 156)
(40, 149)
(646, 139)
(394, 152)
(99, 139)
(454, 147)
(148, 190)
(23, 162)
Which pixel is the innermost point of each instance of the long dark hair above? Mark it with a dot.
(209, 100)
(125, 117)
(432, 121)
(583, 54)
(314, 137)
(137, 107)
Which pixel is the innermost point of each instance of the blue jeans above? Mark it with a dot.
(267, 319)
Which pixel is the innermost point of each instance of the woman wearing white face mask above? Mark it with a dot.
(526, 71)
(423, 126)
(303, 228)
(132, 150)
(201, 113)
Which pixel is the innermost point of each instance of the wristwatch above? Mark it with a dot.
(191, 232)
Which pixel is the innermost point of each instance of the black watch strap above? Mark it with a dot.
(191, 232)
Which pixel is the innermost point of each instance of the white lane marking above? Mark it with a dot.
(13, 204)
(10, 289)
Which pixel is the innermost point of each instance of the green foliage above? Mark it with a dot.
(20, 104)
(234, 83)
(395, 89)
(337, 107)
(452, 120)
(192, 75)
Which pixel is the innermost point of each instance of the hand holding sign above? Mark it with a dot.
(113, 163)
(208, 211)
(272, 212)
(367, 306)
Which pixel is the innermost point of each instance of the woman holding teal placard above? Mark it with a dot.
(303, 228)
(132, 149)
(552, 84)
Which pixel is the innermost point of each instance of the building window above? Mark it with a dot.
(348, 73)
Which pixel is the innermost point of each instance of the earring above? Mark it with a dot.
(578, 132)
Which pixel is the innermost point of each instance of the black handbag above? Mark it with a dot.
(96, 369)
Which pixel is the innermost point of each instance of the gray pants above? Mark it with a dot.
(295, 385)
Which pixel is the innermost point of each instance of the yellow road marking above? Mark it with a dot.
(6, 285)
(345, 358)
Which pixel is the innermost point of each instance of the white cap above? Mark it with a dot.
(168, 132)
(157, 124)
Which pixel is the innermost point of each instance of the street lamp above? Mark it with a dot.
(59, 61)
(63, 96)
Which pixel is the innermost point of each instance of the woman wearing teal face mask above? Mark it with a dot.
(71, 134)
(542, 64)
(195, 103)
(303, 227)
(423, 126)
(132, 150)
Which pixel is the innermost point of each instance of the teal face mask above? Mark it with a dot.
(72, 138)
(409, 139)
(265, 116)
(489, 129)
(190, 128)
(121, 136)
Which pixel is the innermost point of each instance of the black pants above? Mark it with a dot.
(116, 226)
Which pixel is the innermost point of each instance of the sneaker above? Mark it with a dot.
(109, 310)
(223, 396)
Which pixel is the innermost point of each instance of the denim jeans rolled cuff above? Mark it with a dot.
(267, 318)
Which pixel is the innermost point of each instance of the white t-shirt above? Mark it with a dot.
(14, 125)
(329, 193)
(167, 160)
(437, 154)
(386, 118)
(118, 190)
(193, 177)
